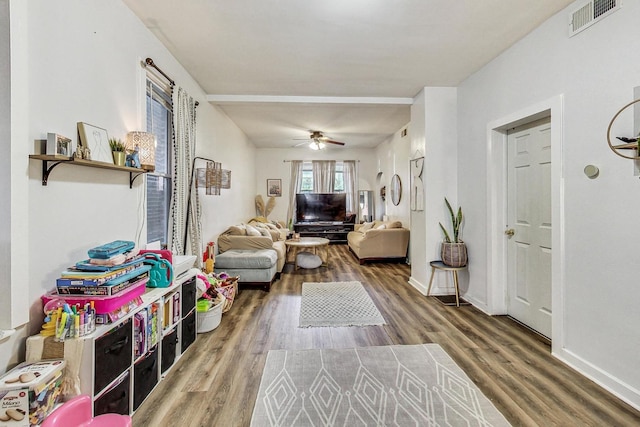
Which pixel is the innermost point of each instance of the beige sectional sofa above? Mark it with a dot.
(243, 237)
(379, 241)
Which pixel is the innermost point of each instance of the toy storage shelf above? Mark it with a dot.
(49, 162)
(119, 380)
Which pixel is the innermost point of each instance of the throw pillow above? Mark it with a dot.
(252, 231)
(235, 230)
(381, 227)
(394, 224)
(366, 226)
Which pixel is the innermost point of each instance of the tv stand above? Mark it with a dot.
(336, 232)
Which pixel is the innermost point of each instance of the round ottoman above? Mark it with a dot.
(308, 260)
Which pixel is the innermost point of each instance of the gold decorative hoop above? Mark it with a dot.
(613, 148)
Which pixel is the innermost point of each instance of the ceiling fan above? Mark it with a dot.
(318, 140)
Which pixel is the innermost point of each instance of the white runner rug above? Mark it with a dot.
(337, 304)
(411, 385)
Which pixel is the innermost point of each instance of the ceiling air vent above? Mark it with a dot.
(590, 13)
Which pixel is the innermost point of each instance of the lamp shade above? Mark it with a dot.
(145, 144)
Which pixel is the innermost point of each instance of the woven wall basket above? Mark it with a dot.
(454, 254)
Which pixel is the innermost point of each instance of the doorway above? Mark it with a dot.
(497, 201)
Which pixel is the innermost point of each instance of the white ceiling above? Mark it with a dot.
(280, 68)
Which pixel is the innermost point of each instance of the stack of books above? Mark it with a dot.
(111, 273)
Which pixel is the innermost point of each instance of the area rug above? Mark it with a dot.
(412, 385)
(337, 304)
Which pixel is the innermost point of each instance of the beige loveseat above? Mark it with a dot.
(244, 238)
(379, 241)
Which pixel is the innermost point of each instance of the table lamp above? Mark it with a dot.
(145, 144)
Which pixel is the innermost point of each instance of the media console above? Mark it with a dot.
(336, 232)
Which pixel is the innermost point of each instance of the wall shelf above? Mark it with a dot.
(49, 162)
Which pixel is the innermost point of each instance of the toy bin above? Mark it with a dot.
(29, 392)
(209, 319)
(102, 304)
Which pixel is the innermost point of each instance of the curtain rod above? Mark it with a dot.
(289, 161)
(150, 63)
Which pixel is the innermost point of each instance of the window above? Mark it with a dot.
(307, 178)
(159, 122)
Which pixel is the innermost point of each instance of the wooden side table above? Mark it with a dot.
(439, 265)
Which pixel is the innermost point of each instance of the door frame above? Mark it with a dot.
(497, 211)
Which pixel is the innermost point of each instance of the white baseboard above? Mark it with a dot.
(607, 381)
(480, 305)
(421, 287)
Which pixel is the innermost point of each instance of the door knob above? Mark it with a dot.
(510, 232)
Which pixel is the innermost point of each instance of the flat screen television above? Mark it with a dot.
(321, 207)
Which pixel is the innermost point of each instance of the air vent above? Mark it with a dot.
(590, 13)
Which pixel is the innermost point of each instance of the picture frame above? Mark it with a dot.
(416, 167)
(59, 146)
(274, 187)
(96, 140)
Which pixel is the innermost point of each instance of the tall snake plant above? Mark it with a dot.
(456, 220)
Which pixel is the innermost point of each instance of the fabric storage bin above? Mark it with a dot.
(188, 331)
(113, 355)
(145, 377)
(116, 399)
(188, 295)
(169, 346)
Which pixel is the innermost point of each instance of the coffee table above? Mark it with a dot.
(318, 245)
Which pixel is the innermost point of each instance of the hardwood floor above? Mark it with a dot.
(216, 381)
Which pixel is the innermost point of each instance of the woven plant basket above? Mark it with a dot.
(454, 254)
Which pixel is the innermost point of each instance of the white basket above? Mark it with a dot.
(210, 319)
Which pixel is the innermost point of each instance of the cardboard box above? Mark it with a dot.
(29, 392)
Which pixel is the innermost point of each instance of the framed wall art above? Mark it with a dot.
(96, 140)
(417, 185)
(274, 187)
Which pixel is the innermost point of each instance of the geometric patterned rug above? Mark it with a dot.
(337, 304)
(402, 385)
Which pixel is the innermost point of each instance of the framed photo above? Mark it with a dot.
(274, 187)
(96, 140)
(58, 145)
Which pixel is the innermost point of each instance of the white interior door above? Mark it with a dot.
(529, 225)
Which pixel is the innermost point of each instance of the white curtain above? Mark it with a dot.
(184, 148)
(350, 177)
(324, 176)
(295, 184)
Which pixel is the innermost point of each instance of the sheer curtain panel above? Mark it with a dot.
(324, 176)
(294, 188)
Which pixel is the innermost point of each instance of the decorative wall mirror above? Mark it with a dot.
(396, 189)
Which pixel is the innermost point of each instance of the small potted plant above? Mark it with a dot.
(118, 150)
(453, 250)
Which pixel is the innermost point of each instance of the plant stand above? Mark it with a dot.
(439, 265)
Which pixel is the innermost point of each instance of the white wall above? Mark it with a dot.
(393, 158)
(271, 164)
(595, 72)
(434, 137)
(89, 70)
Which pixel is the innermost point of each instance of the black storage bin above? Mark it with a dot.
(169, 344)
(189, 331)
(115, 400)
(145, 377)
(188, 295)
(112, 355)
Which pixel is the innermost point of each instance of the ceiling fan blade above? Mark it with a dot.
(329, 141)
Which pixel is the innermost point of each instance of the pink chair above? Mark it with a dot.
(77, 413)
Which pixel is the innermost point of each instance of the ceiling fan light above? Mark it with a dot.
(315, 145)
